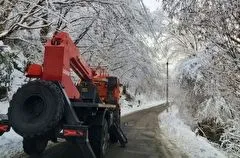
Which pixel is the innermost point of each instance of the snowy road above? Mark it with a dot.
(145, 140)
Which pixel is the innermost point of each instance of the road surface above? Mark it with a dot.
(144, 136)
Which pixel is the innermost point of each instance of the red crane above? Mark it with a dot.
(53, 106)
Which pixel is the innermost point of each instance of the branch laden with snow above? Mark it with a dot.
(210, 75)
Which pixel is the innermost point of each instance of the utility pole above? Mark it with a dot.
(167, 103)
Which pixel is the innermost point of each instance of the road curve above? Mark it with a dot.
(144, 136)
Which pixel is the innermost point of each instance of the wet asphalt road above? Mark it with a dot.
(144, 137)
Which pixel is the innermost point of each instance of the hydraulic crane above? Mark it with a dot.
(52, 106)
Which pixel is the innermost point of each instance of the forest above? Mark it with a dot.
(199, 38)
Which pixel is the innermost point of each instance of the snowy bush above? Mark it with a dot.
(10, 61)
(210, 75)
(205, 80)
(6, 66)
(231, 138)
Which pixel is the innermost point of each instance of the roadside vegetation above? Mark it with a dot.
(209, 75)
(199, 39)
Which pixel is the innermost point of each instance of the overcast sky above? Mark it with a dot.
(152, 4)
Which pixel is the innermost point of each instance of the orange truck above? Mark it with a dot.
(52, 106)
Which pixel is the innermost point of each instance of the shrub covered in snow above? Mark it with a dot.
(210, 82)
(10, 62)
(211, 92)
(6, 67)
(210, 77)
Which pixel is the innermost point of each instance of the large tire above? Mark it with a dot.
(34, 146)
(99, 139)
(117, 122)
(36, 108)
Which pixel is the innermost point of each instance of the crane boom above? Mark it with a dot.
(60, 56)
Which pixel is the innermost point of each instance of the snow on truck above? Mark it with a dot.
(52, 106)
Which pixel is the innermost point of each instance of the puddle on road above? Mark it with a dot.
(129, 124)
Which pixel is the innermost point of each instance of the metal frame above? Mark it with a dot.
(92, 105)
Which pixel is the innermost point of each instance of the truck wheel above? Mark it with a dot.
(99, 139)
(116, 119)
(117, 116)
(36, 108)
(34, 146)
(113, 138)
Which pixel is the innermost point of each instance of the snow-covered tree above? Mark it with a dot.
(210, 74)
(5, 64)
(112, 33)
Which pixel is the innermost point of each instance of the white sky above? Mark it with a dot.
(152, 4)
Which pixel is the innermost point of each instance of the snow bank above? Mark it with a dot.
(186, 140)
(133, 106)
(10, 142)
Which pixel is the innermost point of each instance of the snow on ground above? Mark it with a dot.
(182, 136)
(11, 142)
(133, 106)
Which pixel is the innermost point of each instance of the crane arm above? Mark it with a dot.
(60, 56)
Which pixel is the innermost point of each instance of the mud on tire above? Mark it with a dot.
(36, 108)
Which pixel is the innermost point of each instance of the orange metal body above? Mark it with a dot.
(100, 80)
(60, 56)
(102, 89)
(34, 71)
(117, 93)
(101, 84)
